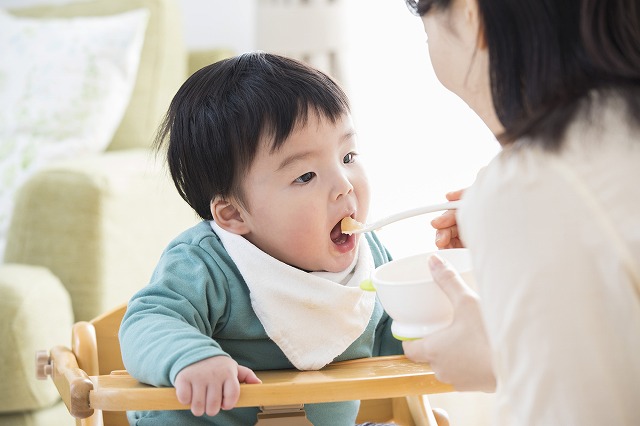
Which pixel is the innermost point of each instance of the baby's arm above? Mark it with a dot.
(212, 384)
(169, 324)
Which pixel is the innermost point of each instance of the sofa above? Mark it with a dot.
(86, 232)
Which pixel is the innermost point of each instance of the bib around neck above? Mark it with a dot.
(312, 316)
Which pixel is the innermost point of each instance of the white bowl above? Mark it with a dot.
(412, 298)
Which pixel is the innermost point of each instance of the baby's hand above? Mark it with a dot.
(446, 225)
(212, 384)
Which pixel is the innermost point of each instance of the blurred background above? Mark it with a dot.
(418, 139)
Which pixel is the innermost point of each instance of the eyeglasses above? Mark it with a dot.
(412, 5)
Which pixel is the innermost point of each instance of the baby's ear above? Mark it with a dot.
(228, 216)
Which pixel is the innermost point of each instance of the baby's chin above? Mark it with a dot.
(336, 258)
(335, 266)
(342, 262)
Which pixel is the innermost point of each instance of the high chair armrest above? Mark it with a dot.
(73, 384)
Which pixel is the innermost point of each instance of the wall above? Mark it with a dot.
(211, 23)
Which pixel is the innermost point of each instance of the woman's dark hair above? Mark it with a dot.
(223, 112)
(546, 56)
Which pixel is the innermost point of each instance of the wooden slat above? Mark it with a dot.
(106, 329)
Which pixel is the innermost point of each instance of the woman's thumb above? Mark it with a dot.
(446, 277)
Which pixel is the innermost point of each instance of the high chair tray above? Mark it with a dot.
(367, 378)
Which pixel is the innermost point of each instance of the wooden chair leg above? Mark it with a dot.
(283, 415)
(442, 418)
(421, 410)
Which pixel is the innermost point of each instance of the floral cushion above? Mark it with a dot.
(64, 87)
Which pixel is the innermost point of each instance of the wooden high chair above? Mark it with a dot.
(96, 389)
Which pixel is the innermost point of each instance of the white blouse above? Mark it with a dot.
(556, 246)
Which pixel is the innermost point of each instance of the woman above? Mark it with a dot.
(553, 221)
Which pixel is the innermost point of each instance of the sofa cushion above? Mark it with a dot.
(57, 415)
(35, 314)
(108, 218)
(162, 65)
(68, 82)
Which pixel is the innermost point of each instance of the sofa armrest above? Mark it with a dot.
(99, 224)
(35, 313)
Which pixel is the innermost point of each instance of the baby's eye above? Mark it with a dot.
(349, 158)
(305, 177)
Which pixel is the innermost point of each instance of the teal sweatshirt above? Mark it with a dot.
(197, 306)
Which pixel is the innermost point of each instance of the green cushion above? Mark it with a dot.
(35, 314)
(56, 415)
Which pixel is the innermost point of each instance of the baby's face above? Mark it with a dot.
(297, 196)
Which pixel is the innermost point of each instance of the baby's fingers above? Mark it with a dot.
(230, 394)
(198, 400)
(214, 399)
(246, 375)
(183, 392)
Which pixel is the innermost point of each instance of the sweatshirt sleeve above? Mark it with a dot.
(168, 323)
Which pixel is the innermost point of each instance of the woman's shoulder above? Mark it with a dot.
(597, 165)
(600, 143)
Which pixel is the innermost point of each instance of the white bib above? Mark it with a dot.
(312, 316)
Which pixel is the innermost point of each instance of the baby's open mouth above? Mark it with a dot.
(337, 236)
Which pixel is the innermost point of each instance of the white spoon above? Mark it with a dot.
(352, 226)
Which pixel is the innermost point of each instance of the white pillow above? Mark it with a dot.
(64, 87)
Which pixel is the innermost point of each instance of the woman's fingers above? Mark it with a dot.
(445, 220)
(418, 350)
(447, 279)
(448, 238)
(447, 230)
(459, 353)
(454, 195)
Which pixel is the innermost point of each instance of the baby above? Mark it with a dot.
(263, 148)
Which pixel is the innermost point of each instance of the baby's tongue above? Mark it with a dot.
(336, 234)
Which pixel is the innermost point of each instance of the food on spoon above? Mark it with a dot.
(348, 225)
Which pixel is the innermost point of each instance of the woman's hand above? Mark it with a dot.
(212, 384)
(459, 354)
(446, 225)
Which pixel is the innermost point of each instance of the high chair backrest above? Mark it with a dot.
(92, 372)
(96, 343)
(97, 349)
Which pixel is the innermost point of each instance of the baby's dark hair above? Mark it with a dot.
(221, 114)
